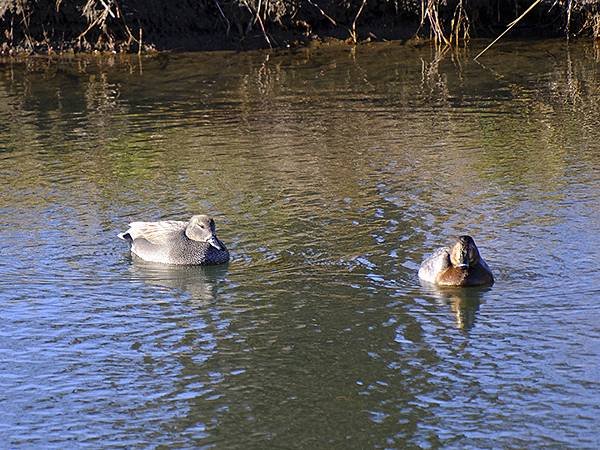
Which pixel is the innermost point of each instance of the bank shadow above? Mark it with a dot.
(464, 302)
(200, 283)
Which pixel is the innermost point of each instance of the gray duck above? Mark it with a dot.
(176, 242)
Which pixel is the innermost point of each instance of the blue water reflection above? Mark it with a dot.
(331, 174)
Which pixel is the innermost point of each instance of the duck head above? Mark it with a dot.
(201, 228)
(464, 253)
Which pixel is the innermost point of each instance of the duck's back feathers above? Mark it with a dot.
(154, 232)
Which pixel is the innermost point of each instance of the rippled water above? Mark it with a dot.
(331, 173)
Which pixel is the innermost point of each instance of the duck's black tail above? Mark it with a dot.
(125, 236)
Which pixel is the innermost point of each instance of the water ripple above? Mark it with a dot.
(331, 175)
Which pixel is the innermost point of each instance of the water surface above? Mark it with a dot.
(331, 174)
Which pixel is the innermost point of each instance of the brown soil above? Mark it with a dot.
(58, 26)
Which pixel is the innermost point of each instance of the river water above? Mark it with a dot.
(331, 173)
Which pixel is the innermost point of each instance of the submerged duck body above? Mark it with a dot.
(176, 242)
(459, 265)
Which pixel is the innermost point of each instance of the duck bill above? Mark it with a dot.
(463, 260)
(214, 242)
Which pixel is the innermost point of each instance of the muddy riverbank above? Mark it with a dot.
(55, 26)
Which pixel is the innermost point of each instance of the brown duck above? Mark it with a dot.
(461, 265)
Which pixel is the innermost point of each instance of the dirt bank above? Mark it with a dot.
(54, 26)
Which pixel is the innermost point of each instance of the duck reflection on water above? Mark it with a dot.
(199, 282)
(464, 303)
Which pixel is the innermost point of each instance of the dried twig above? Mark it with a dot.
(569, 8)
(323, 13)
(510, 25)
(223, 16)
(353, 35)
(260, 22)
(459, 21)
(431, 12)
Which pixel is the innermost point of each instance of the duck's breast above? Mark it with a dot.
(453, 276)
(188, 251)
(472, 276)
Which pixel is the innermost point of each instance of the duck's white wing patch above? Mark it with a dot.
(434, 265)
(155, 232)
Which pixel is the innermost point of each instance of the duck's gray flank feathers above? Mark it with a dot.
(176, 242)
(435, 264)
